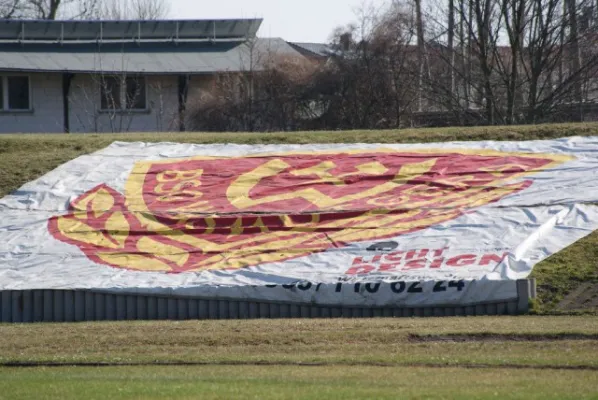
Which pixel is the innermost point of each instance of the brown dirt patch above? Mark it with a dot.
(583, 298)
(496, 337)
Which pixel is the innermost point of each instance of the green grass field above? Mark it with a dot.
(26, 157)
(543, 357)
(284, 382)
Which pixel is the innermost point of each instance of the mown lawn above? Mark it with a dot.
(26, 157)
(482, 341)
(532, 357)
(283, 382)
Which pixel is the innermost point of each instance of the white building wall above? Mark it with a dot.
(161, 114)
(84, 106)
(47, 112)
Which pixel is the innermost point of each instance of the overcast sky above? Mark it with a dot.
(293, 20)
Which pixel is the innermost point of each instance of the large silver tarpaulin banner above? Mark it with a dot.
(360, 224)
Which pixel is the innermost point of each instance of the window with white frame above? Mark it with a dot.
(123, 93)
(15, 93)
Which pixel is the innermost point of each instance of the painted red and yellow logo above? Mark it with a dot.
(211, 213)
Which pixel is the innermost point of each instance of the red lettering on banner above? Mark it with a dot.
(374, 260)
(414, 264)
(438, 252)
(462, 260)
(388, 267)
(413, 254)
(492, 258)
(405, 261)
(394, 256)
(359, 267)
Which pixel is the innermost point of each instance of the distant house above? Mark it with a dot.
(315, 51)
(115, 76)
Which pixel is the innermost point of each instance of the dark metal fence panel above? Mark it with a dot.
(78, 305)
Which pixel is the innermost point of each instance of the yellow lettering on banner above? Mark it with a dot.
(309, 226)
(118, 228)
(411, 171)
(392, 223)
(498, 172)
(241, 259)
(456, 181)
(454, 198)
(373, 168)
(133, 261)
(175, 175)
(426, 191)
(484, 197)
(237, 227)
(178, 188)
(266, 252)
(162, 250)
(432, 190)
(259, 223)
(201, 205)
(238, 191)
(210, 225)
(182, 196)
(184, 189)
(81, 232)
(99, 202)
(322, 171)
(388, 200)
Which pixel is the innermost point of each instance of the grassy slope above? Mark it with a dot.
(26, 157)
(267, 359)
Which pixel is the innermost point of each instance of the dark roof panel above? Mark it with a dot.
(318, 49)
(145, 58)
(60, 31)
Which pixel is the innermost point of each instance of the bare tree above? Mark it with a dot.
(10, 9)
(58, 9)
(419, 23)
(44, 9)
(272, 92)
(84, 9)
(513, 13)
(451, 41)
(573, 38)
(133, 9)
(515, 61)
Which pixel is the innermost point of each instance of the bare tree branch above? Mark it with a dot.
(10, 9)
(133, 9)
(84, 9)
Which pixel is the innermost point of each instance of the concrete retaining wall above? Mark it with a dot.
(80, 305)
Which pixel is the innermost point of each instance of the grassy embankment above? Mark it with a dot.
(483, 357)
(26, 157)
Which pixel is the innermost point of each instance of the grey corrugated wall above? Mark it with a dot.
(79, 305)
